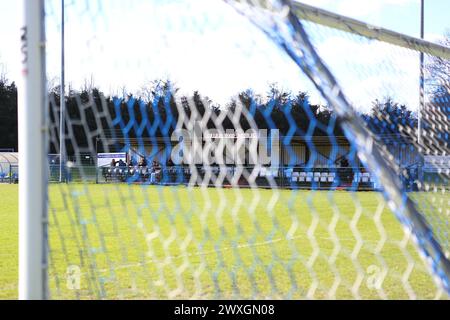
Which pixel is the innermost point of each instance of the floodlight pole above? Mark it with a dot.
(62, 109)
(422, 91)
(32, 120)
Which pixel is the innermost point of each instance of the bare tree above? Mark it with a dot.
(439, 71)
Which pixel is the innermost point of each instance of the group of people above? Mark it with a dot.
(155, 169)
(119, 163)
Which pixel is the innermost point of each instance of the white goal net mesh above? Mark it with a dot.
(210, 154)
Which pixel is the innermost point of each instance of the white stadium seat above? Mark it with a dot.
(262, 172)
(365, 177)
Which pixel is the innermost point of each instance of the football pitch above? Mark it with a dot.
(132, 241)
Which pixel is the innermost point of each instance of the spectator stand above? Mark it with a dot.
(9, 167)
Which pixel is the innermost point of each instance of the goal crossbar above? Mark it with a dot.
(343, 23)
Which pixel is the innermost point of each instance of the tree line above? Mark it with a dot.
(8, 114)
(89, 112)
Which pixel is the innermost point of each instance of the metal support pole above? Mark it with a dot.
(96, 160)
(422, 92)
(62, 110)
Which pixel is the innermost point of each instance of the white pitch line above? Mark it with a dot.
(210, 252)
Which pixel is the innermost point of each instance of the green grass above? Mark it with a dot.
(178, 242)
(8, 241)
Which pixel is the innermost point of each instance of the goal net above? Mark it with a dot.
(244, 149)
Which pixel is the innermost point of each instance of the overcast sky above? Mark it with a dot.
(204, 45)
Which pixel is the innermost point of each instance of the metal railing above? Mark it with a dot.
(352, 178)
(289, 177)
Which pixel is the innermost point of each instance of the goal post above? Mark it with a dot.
(32, 115)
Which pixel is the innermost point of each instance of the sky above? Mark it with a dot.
(205, 45)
